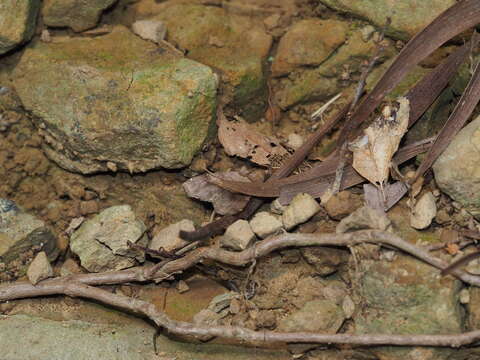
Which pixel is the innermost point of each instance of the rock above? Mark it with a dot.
(407, 17)
(79, 15)
(244, 45)
(131, 104)
(320, 83)
(456, 170)
(207, 317)
(264, 224)
(406, 296)
(101, 243)
(348, 307)
(150, 30)
(182, 287)
(364, 218)
(308, 42)
(21, 235)
(70, 267)
(294, 141)
(276, 207)
(18, 22)
(343, 204)
(316, 316)
(238, 236)
(224, 202)
(325, 260)
(169, 239)
(39, 269)
(424, 212)
(301, 208)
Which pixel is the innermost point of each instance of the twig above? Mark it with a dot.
(241, 335)
(261, 248)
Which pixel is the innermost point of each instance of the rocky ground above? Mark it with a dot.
(106, 111)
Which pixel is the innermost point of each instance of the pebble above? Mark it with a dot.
(169, 238)
(264, 224)
(295, 141)
(153, 30)
(238, 236)
(424, 212)
(276, 207)
(182, 287)
(39, 269)
(302, 208)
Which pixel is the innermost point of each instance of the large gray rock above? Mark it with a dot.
(116, 102)
(408, 16)
(22, 235)
(17, 22)
(101, 243)
(78, 15)
(457, 170)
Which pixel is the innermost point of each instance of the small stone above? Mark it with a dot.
(266, 319)
(276, 207)
(70, 267)
(367, 32)
(39, 269)
(343, 204)
(169, 238)
(238, 236)
(464, 296)
(348, 307)
(442, 217)
(89, 207)
(45, 36)
(271, 22)
(295, 141)
(264, 224)
(424, 212)
(182, 287)
(315, 316)
(302, 208)
(362, 219)
(206, 317)
(153, 30)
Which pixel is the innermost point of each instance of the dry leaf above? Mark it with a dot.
(373, 152)
(224, 202)
(240, 139)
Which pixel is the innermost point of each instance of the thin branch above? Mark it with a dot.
(239, 334)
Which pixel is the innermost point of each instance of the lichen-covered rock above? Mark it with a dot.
(116, 102)
(22, 234)
(308, 42)
(406, 296)
(101, 243)
(79, 15)
(407, 16)
(457, 170)
(301, 208)
(234, 44)
(17, 22)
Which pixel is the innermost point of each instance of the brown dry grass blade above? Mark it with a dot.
(455, 122)
(317, 187)
(460, 17)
